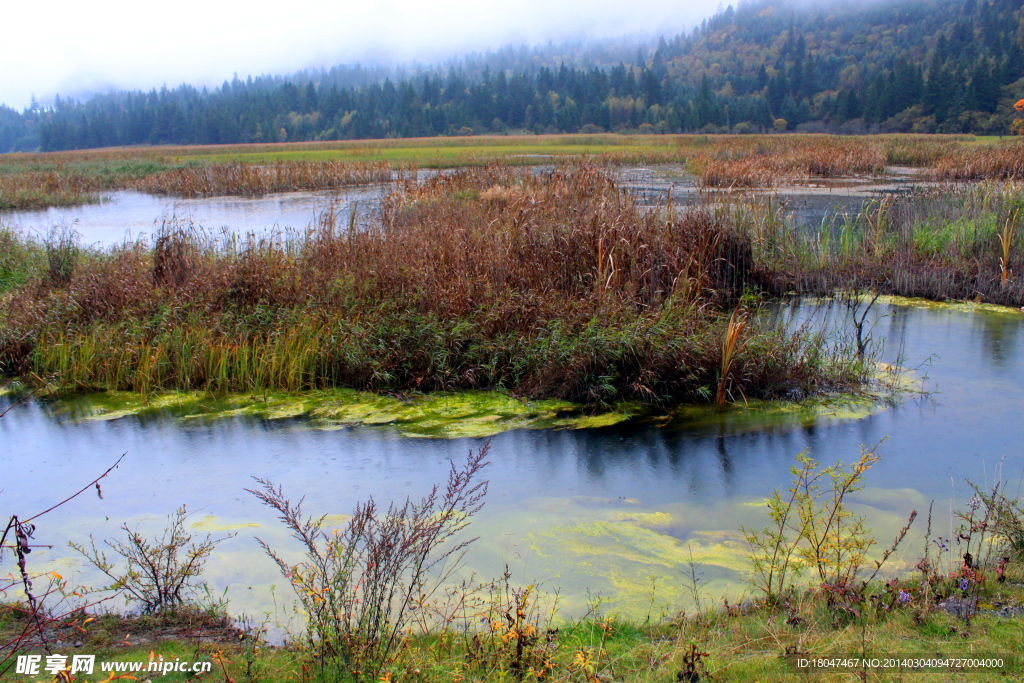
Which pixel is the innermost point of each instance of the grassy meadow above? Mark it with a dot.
(717, 161)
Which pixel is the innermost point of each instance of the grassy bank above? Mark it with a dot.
(42, 180)
(553, 285)
(744, 646)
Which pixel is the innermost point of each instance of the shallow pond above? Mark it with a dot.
(130, 215)
(618, 510)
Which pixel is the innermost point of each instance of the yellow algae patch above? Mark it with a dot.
(757, 415)
(335, 521)
(889, 499)
(466, 414)
(210, 523)
(615, 542)
(648, 519)
(595, 421)
(963, 306)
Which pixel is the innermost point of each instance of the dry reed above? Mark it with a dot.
(553, 284)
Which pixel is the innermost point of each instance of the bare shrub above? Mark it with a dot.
(358, 585)
(161, 574)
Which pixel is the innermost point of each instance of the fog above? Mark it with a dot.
(75, 48)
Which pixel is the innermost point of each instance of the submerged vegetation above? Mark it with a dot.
(382, 599)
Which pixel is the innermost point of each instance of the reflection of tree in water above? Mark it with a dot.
(896, 330)
(1000, 334)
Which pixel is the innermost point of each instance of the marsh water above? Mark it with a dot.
(618, 511)
(126, 215)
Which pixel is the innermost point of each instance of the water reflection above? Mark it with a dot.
(130, 215)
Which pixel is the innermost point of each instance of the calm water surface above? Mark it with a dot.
(610, 511)
(130, 215)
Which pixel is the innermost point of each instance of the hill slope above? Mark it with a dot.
(905, 66)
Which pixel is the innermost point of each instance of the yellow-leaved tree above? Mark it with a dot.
(1017, 127)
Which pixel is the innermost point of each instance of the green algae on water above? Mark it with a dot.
(467, 414)
(471, 414)
(962, 306)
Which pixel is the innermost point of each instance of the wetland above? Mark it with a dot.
(644, 347)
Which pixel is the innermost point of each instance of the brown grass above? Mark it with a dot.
(551, 285)
(239, 178)
(1003, 162)
(765, 161)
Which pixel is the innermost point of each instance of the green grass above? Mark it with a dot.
(745, 646)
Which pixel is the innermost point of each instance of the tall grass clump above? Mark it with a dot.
(61, 253)
(1004, 161)
(553, 284)
(766, 161)
(955, 241)
(20, 259)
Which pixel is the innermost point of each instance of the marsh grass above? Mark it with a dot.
(949, 242)
(719, 161)
(40, 180)
(764, 162)
(240, 178)
(547, 285)
(20, 258)
(62, 252)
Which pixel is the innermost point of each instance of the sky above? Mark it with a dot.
(73, 47)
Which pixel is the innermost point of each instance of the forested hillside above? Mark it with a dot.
(905, 66)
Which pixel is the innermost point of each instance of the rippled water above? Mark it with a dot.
(587, 511)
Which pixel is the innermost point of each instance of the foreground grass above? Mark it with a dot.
(748, 645)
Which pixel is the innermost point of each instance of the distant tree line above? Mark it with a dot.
(912, 66)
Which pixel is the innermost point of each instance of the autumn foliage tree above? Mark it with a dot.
(1017, 127)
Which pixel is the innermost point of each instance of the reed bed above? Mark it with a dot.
(239, 178)
(719, 161)
(763, 162)
(957, 242)
(34, 190)
(1002, 162)
(547, 285)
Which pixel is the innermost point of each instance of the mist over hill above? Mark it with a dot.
(906, 66)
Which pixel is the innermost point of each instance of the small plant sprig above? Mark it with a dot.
(813, 528)
(160, 574)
